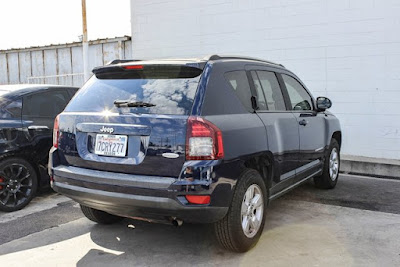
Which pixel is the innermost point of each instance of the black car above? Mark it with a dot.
(226, 135)
(27, 115)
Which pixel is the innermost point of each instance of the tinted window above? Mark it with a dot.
(72, 91)
(11, 110)
(45, 104)
(299, 98)
(170, 96)
(262, 105)
(240, 84)
(272, 91)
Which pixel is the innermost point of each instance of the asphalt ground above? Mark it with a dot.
(356, 224)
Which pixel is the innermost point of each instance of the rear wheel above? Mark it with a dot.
(99, 216)
(330, 173)
(18, 184)
(242, 226)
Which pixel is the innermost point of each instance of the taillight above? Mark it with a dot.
(56, 132)
(133, 67)
(196, 199)
(1, 181)
(203, 140)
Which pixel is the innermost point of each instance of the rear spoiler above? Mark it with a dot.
(148, 70)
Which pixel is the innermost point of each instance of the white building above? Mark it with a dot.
(348, 50)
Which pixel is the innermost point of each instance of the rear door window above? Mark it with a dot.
(240, 84)
(262, 103)
(41, 108)
(45, 104)
(72, 91)
(272, 90)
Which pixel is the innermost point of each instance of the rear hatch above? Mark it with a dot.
(130, 119)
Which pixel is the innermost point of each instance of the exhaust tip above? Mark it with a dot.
(177, 222)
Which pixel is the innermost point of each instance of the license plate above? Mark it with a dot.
(111, 145)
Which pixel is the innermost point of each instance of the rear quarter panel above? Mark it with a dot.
(243, 132)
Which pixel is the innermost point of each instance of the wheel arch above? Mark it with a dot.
(263, 164)
(338, 137)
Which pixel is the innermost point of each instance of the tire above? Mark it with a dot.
(99, 216)
(330, 174)
(229, 231)
(18, 184)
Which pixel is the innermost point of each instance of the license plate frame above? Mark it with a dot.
(111, 145)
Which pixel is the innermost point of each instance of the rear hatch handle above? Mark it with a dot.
(38, 127)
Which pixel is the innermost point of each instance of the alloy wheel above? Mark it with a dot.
(15, 185)
(252, 210)
(334, 164)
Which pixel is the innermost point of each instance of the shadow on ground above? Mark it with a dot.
(297, 233)
(152, 244)
(288, 238)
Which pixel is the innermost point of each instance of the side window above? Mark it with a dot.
(299, 98)
(262, 105)
(11, 110)
(240, 84)
(272, 90)
(45, 105)
(72, 91)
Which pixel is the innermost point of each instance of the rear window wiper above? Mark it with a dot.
(135, 104)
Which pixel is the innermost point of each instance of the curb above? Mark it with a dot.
(381, 168)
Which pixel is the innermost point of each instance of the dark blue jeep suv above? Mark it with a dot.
(208, 140)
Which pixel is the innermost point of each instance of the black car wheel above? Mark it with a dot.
(100, 217)
(18, 184)
(330, 175)
(242, 226)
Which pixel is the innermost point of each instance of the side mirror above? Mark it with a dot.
(323, 103)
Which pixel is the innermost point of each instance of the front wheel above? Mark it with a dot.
(242, 226)
(98, 216)
(330, 173)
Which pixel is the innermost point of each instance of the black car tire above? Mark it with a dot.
(100, 217)
(229, 231)
(326, 180)
(24, 188)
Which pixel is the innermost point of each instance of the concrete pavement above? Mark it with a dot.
(307, 227)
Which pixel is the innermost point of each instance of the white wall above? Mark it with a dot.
(348, 50)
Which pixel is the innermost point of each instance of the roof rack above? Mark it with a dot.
(217, 57)
(211, 57)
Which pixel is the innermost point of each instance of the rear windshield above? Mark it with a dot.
(170, 96)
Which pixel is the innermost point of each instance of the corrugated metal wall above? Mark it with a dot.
(59, 64)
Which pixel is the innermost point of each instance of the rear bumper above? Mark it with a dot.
(149, 207)
(140, 196)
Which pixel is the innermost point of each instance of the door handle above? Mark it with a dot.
(34, 127)
(303, 122)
